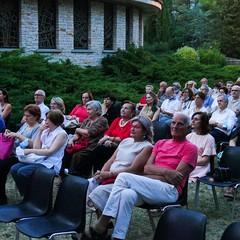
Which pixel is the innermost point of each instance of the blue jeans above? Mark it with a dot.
(21, 173)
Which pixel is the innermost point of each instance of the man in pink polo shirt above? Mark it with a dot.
(165, 174)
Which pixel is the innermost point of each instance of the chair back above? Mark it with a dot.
(70, 203)
(39, 192)
(232, 232)
(230, 158)
(183, 199)
(181, 224)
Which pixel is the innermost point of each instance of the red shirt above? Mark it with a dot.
(116, 131)
(80, 112)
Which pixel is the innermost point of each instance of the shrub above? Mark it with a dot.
(211, 56)
(188, 53)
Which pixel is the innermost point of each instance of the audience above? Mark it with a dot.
(186, 101)
(208, 99)
(130, 156)
(49, 143)
(161, 93)
(39, 97)
(91, 130)
(5, 107)
(205, 143)
(165, 174)
(25, 136)
(119, 130)
(199, 100)
(142, 102)
(234, 103)
(151, 107)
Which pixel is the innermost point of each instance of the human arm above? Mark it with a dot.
(137, 165)
(6, 111)
(202, 161)
(156, 114)
(58, 142)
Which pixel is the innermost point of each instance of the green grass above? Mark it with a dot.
(140, 227)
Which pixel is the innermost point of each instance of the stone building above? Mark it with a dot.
(83, 31)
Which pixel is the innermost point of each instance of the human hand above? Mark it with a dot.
(27, 151)
(102, 140)
(174, 177)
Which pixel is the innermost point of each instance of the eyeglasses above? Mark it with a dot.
(38, 95)
(137, 126)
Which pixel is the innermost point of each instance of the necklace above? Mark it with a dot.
(121, 125)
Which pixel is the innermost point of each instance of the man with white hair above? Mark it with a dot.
(234, 103)
(39, 97)
(165, 174)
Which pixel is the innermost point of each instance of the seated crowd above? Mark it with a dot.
(112, 146)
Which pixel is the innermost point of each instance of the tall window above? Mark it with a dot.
(9, 24)
(47, 15)
(108, 26)
(128, 26)
(81, 24)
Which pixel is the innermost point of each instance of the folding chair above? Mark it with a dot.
(232, 232)
(230, 158)
(68, 215)
(181, 224)
(182, 201)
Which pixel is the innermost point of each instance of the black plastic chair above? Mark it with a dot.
(182, 201)
(37, 200)
(230, 158)
(181, 224)
(232, 232)
(68, 215)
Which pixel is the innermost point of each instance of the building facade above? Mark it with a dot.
(83, 31)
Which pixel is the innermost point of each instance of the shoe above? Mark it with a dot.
(230, 193)
(94, 235)
(3, 201)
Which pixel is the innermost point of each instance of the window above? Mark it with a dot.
(81, 24)
(128, 27)
(108, 26)
(9, 24)
(47, 24)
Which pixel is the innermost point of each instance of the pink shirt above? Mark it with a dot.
(169, 154)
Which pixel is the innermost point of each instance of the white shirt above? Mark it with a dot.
(170, 105)
(44, 109)
(227, 116)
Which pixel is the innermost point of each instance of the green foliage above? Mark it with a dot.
(188, 53)
(211, 56)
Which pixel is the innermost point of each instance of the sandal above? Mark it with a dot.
(94, 235)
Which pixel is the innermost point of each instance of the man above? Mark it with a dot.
(39, 97)
(177, 90)
(161, 94)
(234, 103)
(208, 100)
(168, 108)
(142, 102)
(222, 120)
(204, 82)
(166, 172)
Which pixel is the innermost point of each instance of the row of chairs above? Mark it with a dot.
(34, 215)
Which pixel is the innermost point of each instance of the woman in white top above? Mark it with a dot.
(130, 156)
(205, 143)
(50, 142)
(199, 101)
(187, 100)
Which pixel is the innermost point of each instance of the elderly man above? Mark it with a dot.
(39, 97)
(222, 120)
(165, 173)
(208, 100)
(234, 103)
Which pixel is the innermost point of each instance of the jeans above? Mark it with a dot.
(131, 190)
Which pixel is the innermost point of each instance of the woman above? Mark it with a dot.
(50, 142)
(119, 130)
(92, 130)
(80, 111)
(187, 100)
(5, 106)
(2, 125)
(108, 109)
(25, 136)
(130, 156)
(199, 101)
(151, 107)
(205, 143)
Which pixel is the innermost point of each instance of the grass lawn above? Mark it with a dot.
(140, 227)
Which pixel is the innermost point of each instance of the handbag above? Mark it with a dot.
(222, 174)
(6, 146)
(72, 123)
(79, 144)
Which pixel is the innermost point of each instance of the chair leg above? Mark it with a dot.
(151, 220)
(234, 200)
(17, 235)
(196, 199)
(215, 197)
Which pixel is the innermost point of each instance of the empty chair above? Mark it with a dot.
(230, 159)
(68, 215)
(232, 232)
(37, 200)
(181, 224)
